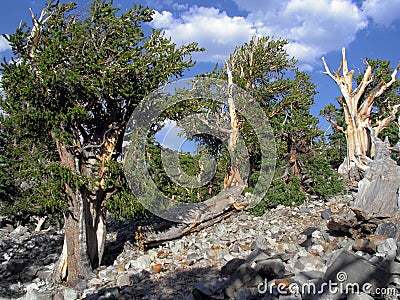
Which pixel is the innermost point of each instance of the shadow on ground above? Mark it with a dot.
(26, 258)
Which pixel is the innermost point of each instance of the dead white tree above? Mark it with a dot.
(359, 127)
(233, 176)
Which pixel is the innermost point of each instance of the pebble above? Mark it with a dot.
(123, 279)
(317, 248)
(388, 245)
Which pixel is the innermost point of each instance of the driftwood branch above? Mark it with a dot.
(179, 231)
(40, 222)
(203, 215)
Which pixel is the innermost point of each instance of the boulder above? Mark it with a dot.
(326, 214)
(364, 245)
(270, 268)
(29, 273)
(32, 293)
(301, 278)
(307, 241)
(348, 269)
(390, 229)
(231, 267)
(257, 255)
(245, 275)
(246, 293)
(310, 263)
(18, 232)
(209, 291)
(343, 223)
(123, 279)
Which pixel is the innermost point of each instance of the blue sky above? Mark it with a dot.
(367, 28)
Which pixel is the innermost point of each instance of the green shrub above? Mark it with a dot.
(281, 192)
(322, 180)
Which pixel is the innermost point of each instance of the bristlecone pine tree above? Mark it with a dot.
(68, 96)
(263, 69)
(368, 108)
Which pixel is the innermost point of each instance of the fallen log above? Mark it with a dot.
(202, 215)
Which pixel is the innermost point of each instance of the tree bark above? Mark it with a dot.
(85, 221)
(85, 230)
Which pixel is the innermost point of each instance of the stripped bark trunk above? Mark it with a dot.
(360, 150)
(84, 241)
(233, 176)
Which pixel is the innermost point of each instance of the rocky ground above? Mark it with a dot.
(276, 256)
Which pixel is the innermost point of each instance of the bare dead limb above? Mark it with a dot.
(334, 124)
(36, 31)
(382, 124)
(40, 222)
(357, 117)
(211, 211)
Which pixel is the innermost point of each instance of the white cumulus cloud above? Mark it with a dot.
(313, 28)
(211, 28)
(382, 12)
(4, 46)
(163, 19)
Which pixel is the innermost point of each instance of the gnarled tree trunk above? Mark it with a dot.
(85, 221)
(357, 115)
(85, 228)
